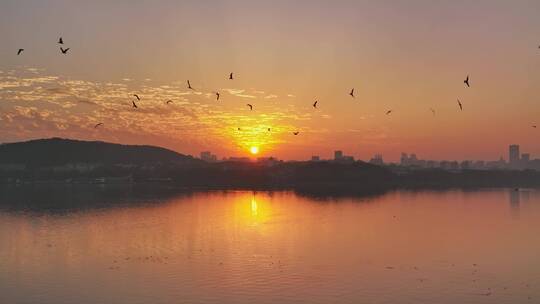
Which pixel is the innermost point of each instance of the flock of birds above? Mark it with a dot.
(250, 106)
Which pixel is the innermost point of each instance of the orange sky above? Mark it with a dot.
(404, 56)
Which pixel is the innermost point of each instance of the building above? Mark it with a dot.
(513, 155)
(340, 158)
(208, 156)
(315, 158)
(377, 160)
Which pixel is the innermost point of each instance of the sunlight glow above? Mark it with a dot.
(254, 150)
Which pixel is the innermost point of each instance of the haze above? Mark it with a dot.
(404, 56)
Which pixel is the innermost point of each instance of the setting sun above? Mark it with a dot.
(254, 150)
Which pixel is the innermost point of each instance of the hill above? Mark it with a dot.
(58, 152)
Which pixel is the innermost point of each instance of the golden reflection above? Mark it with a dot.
(254, 208)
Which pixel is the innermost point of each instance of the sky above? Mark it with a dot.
(405, 56)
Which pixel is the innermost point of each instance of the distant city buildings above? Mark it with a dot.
(515, 161)
(208, 156)
(340, 158)
(513, 155)
(377, 160)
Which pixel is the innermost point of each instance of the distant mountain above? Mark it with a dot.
(59, 151)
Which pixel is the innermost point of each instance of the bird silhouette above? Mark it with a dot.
(268, 129)
(534, 126)
(352, 93)
(231, 76)
(315, 104)
(466, 81)
(64, 51)
(296, 133)
(19, 51)
(97, 125)
(137, 96)
(388, 112)
(189, 85)
(169, 101)
(250, 106)
(460, 105)
(239, 129)
(60, 41)
(134, 104)
(217, 95)
(432, 111)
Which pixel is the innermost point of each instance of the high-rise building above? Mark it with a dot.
(338, 155)
(513, 155)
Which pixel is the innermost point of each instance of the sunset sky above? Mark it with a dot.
(404, 56)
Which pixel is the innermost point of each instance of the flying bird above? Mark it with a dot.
(217, 95)
(460, 105)
(64, 51)
(231, 76)
(19, 51)
(466, 81)
(134, 104)
(315, 104)
(168, 101)
(296, 133)
(388, 112)
(268, 129)
(60, 41)
(250, 106)
(137, 96)
(239, 129)
(97, 125)
(189, 85)
(352, 93)
(432, 111)
(534, 126)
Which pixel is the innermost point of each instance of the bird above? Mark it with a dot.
(432, 111)
(168, 101)
(231, 76)
(460, 105)
(189, 85)
(388, 112)
(239, 129)
(64, 51)
(268, 129)
(352, 92)
(217, 95)
(97, 125)
(137, 96)
(315, 104)
(296, 133)
(60, 41)
(134, 104)
(250, 106)
(534, 126)
(466, 81)
(19, 51)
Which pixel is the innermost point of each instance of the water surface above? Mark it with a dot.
(125, 246)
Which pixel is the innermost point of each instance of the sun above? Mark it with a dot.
(254, 150)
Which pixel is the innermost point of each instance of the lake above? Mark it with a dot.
(124, 245)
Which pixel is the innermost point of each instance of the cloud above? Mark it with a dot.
(35, 104)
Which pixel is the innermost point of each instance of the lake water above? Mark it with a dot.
(125, 246)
